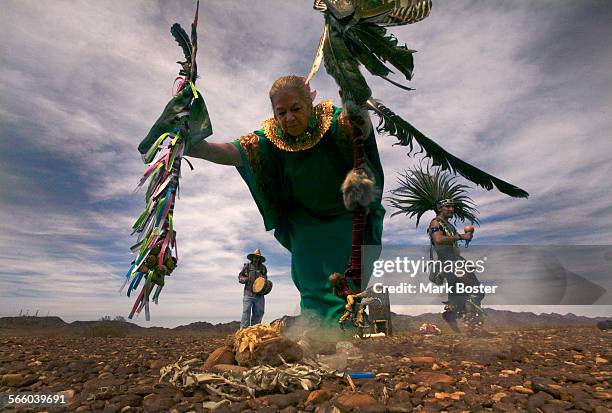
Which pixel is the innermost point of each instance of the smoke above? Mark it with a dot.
(313, 334)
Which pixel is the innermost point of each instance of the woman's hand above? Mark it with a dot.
(220, 153)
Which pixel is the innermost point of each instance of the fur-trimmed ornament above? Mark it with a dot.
(359, 189)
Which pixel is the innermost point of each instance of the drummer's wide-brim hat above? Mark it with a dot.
(257, 253)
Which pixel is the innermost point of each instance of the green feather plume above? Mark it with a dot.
(194, 44)
(375, 39)
(419, 190)
(407, 134)
(341, 65)
(180, 35)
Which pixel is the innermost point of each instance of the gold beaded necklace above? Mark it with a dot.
(323, 114)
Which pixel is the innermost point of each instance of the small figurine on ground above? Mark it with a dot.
(356, 303)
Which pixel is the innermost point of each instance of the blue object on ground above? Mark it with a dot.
(360, 374)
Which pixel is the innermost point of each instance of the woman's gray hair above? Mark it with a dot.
(296, 82)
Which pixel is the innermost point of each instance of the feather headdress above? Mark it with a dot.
(420, 191)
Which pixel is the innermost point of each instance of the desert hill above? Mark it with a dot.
(496, 319)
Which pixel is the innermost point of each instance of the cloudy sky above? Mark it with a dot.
(519, 88)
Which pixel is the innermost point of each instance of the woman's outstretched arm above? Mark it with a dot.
(221, 153)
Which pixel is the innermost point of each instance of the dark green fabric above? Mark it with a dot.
(198, 120)
(300, 199)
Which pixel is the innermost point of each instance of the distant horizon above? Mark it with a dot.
(596, 311)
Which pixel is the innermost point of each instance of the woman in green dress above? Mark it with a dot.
(294, 167)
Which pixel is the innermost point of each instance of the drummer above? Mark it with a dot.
(253, 304)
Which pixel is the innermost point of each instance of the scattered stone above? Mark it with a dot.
(318, 396)
(279, 400)
(157, 403)
(111, 408)
(12, 380)
(521, 389)
(556, 405)
(422, 360)
(540, 384)
(402, 408)
(141, 390)
(445, 395)
(538, 400)
(270, 352)
(229, 368)
(215, 405)
(429, 378)
(358, 402)
(67, 394)
(106, 375)
(97, 405)
(123, 400)
(222, 355)
(157, 364)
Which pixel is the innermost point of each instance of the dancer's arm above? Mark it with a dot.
(440, 239)
(221, 153)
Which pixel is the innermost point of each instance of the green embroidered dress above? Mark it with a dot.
(296, 186)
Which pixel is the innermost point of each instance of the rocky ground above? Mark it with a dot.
(537, 370)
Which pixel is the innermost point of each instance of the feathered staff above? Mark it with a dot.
(183, 123)
(355, 35)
